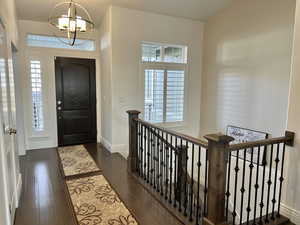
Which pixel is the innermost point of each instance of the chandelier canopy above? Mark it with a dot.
(71, 18)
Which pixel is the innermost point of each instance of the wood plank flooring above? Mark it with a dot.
(44, 200)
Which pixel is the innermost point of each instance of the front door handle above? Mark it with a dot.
(11, 131)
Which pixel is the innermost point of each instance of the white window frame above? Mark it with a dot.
(166, 66)
(162, 45)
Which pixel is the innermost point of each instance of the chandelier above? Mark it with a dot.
(70, 18)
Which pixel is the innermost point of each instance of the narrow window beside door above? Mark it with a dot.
(37, 97)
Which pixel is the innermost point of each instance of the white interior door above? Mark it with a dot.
(7, 134)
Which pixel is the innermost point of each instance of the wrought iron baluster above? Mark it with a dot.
(154, 159)
(256, 186)
(145, 153)
(162, 153)
(281, 179)
(263, 188)
(175, 172)
(148, 155)
(158, 162)
(171, 170)
(269, 184)
(161, 167)
(205, 182)
(151, 157)
(236, 169)
(228, 187)
(251, 166)
(192, 184)
(198, 213)
(275, 182)
(180, 194)
(185, 181)
(139, 158)
(167, 168)
(243, 186)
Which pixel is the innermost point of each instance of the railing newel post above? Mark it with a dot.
(291, 136)
(181, 171)
(218, 149)
(132, 165)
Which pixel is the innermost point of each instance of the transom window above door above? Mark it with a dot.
(164, 71)
(164, 53)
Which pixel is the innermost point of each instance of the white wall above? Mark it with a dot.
(292, 197)
(48, 138)
(128, 29)
(247, 56)
(106, 80)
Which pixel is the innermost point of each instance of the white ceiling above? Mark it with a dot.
(38, 10)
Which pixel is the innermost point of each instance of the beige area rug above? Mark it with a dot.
(95, 202)
(76, 160)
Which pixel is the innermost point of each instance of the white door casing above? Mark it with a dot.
(7, 137)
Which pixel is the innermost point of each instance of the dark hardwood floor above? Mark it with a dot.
(44, 200)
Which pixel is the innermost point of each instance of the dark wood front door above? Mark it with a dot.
(75, 100)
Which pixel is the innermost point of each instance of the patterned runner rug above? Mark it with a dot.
(96, 203)
(76, 160)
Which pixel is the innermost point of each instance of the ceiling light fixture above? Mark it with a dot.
(71, 19)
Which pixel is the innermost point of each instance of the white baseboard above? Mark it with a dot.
(290, 213)
(19, 190)
(106, 144)
(120, 148)
(124, 154)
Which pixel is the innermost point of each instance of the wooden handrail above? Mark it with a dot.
(162, 139)
(288, 139)
(188, 138)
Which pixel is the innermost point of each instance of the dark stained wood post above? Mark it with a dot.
(181, 171)
(291, 136)
(132, 165)
(217, 156)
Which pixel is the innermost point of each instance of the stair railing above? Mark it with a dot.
(209, 182)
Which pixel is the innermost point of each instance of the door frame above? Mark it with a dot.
(4, 194)
(93, 89)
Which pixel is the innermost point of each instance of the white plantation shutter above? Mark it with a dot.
(36, 94)
(175, 95)
(164, 95)
(154, 94)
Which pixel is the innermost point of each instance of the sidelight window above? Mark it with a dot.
(36, 95)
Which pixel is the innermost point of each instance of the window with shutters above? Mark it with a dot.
(164, 70)
(36, 95)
